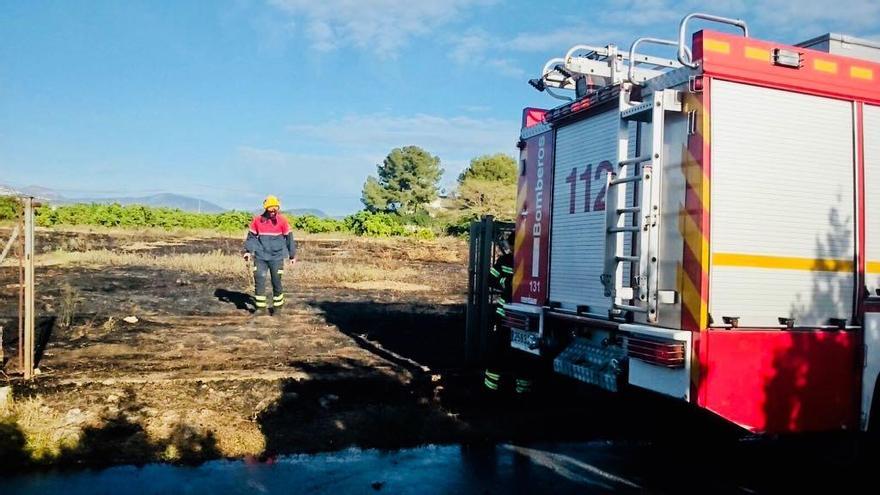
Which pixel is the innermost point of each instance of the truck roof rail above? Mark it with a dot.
(683, 56)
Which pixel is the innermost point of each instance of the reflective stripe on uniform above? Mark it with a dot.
(490, 384)
(523, 385)
(507, 269)
(280, 272)
(494, 272)
(279, 297)
(501, 300)
(260, 301)
(493, 376)
(500, 311)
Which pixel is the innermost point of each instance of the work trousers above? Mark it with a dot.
(275, 269)
(504, 363)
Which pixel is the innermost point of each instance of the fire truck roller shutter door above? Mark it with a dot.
(585, 152)
(782, 239)
(872, 198)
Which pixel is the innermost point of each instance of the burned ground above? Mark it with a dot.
(368, 352)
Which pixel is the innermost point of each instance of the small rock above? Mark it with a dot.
(5, 398)
(74, 416)
(181, 281)
(130, 319)
(37, 371)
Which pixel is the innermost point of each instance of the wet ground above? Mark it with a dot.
(560, 468)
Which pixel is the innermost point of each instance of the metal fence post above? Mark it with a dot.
(485, 260)
(471, 337)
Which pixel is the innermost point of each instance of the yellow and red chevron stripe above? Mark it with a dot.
(693, 276)
(521, 234)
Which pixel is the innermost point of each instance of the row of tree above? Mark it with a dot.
(408, 180)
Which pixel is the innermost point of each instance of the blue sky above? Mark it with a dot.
(232, 100)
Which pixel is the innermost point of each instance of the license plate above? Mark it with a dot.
(522, 340)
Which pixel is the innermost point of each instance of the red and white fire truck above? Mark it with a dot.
(708, 227)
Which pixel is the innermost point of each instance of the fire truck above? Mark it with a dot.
(705, 227)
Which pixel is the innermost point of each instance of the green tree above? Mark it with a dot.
(498, 167)
(478, 197)
(407, 181)
(488, 187)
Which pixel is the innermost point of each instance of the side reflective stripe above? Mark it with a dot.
(278, 303)
(500, 311)
(280, 272)
(260, 298)
(501, 300)
(494, 272)
(261, 304)
(492, 376)
(507, 269)
(490, 384)
(278, 298)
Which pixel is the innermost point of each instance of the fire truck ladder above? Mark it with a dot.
(638, 177)
(586, 67)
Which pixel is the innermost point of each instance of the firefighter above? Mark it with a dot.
(501, 282)
(269, 243)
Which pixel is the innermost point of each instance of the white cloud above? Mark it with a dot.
(380, 26)
(456, 137)
(477, 48)
(559, 40)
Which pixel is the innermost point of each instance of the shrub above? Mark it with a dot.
(316, 225)
(9, 208)
(461, 226)
(138, 216)
(377, 224)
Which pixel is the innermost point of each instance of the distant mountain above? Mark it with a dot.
(166, 200)
(307, 211)
(43, 193)
(163, 200)
(8, 191)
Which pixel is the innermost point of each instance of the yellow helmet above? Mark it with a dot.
(271, 201)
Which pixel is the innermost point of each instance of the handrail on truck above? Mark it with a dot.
(631, 72)
(684, 57)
